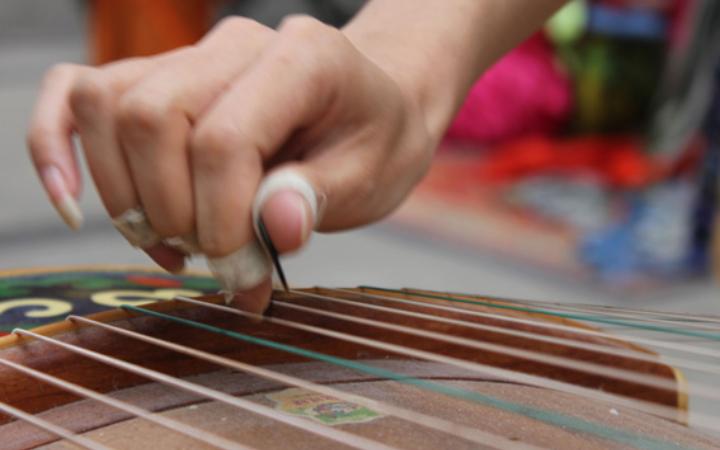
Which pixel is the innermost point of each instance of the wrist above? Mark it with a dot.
(432, 90)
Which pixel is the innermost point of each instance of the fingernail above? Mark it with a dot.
(61, 198)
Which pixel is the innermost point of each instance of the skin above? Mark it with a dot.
(190, 134)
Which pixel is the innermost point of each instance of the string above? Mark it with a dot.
(614, 351)
(536, 323)
(52, 428)
(581, 317)
(696, 322)
(163, 421)
(442, 425)
(639, 314)
(301, 423)
(550, 417)
(651, 408)
(559, 361)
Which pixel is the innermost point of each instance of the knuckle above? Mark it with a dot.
(86, 96)
(37, 140)
(61, 71)
(234, 25)
(301, 25)
(303, 30)
(137, 117)
(211, 147)
(314, 48)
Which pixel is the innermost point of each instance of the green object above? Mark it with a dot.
(568, 24)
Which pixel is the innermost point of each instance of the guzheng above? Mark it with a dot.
(364, 368)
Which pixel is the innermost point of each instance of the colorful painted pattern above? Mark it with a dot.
(37, 297)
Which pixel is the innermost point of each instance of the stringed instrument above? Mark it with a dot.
(361, 368)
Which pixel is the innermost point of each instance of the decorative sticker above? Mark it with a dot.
(320, 407)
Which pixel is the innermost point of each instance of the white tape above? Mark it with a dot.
(187, 245)
(135, 227)
(284, 180)
(241, 270)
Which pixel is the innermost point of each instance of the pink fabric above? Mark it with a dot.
(526, 92)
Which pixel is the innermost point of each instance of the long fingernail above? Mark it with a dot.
(62, 199)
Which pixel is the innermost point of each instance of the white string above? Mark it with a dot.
(628, 312)
(620, 313)
(541, 324)
(471, 434)
(168, 423)
(52, 428)
(544, 358)
(301, 423)
(581, 345)
(645, 406)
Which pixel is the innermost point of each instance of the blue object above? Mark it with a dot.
(627, 23)
(655, 237)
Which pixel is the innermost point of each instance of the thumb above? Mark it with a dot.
(288, 205)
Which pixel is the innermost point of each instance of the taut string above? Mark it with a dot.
(300, 423)
(580, 345)
(559, 361)
(686, 349)
(623, 311)
(549, 417)
(435, 423)
(52, 428)
(645, 406)
(178, 427)
(573, 316)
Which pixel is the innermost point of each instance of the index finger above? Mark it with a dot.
(50, 144)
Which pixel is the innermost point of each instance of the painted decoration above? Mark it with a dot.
(30, 298)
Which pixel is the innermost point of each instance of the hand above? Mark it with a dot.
(190, 134)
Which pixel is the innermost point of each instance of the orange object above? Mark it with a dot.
(122, 29)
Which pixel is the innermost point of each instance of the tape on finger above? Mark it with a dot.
(241, 270)
(249, 266)
(134, 225)
(287, 180)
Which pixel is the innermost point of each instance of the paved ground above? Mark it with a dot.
(31, 235)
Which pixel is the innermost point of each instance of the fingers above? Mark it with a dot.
(249, 124)
(92, 102)
(155, 116)
(49, 141)
(351, 163)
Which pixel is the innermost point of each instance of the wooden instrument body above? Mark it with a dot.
(105, 423)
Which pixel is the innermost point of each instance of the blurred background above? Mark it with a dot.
(582, 168)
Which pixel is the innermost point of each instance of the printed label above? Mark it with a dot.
(319, 407)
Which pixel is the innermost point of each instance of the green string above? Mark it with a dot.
(588, 318)
(550, 417)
